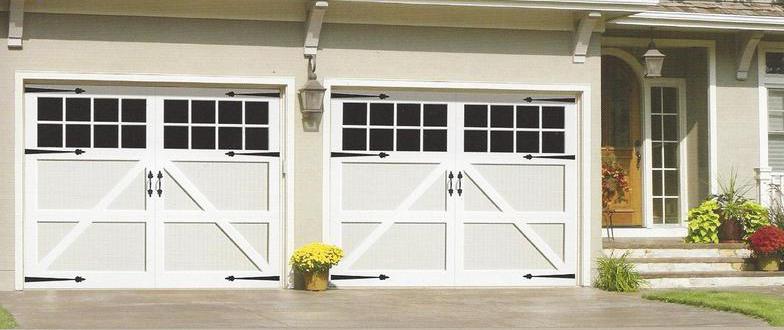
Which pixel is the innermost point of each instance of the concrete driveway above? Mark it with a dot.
(356, 308)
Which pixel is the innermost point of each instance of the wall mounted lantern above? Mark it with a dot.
(311, 97)
(654, 60)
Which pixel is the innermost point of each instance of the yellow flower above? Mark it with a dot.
(316, 257)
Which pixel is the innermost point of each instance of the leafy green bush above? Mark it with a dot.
(704, 223)
(755, 216)
(617, 274)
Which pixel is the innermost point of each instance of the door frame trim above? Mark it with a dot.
(583, 93)
(285, 83)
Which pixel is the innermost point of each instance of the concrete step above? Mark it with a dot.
(716, 264)
(668, 243)
(712, 279)
(692, 252)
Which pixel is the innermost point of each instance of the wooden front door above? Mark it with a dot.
(622, 137)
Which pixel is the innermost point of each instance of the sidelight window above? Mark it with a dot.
(665, 149)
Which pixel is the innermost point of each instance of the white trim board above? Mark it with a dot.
(702, 21)
(286, 84)
(582, 91)
(765, 82)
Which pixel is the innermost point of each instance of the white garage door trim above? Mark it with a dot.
(286, 84)
(582, 92)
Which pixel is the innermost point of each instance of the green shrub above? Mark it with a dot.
(617, 274)
(704, 223)
(755, 216)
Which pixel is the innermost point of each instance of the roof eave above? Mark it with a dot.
(702, 21)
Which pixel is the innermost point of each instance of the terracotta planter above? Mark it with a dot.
(316, 281)
(768, 263)
(730, 231)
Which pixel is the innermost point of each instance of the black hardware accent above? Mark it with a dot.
(254, 278)
(53, 279)
(529, 276)
(529, 157)
(460, 183)
(451, 177)
(357, 277)
(44, 151)
(149, 183)
(50, 90)
(350, 154)
(354, 96)
(265, 154)
(160, 189)
(233, 94)
(564, 99)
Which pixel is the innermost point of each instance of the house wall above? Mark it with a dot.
(114, 44)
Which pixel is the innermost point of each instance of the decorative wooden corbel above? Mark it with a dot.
(15, 23)
(747, 45)
(582, 35)
(313, 27)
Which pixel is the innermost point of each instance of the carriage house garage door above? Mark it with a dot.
(464, 190)
(151, 187)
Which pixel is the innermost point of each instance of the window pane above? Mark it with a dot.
(106, 136)
(230, 112)
(501, 116)
(527, 117)
(230, 138)
(552, 117)
(77, 109)
(408, 114)
(776, 99)
(671, 211)
(671, 183)
(671, 155)
(407, 140)
(435, 115)
(174, 137)
(775, 151)
(475, 141)
(257, 113)
(670, 98)
(77, 136)
(174, 111)
(382, 114)
(135, 136)
(776, 121)
(381, 139)
(50, 108)
(50, 135)
(656, 151)
(656, 104)
(502, 141)
(434, 140)
(670, 128)
(203, 137)
(475, 115)
(355, 114)
(553, 142)
(354, 138)
(657, 182)
(257, 138)
(658, 208)
(656, 127)
(106, 110)
(774, 63)
(528, 142)
(135, 110)
(203, 112)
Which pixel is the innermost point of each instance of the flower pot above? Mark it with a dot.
(730, 231)
(316, 281)
(768, 263)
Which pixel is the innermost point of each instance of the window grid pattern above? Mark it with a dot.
(665, 137)
(199, 124)
(776, 129)
(774, 63)
(514, 128)
(394, 126)
(91, 122)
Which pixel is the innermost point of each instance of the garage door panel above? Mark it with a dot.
(476, 199)
(230, 185)
(176, 198)
(526, 193)
(80, 184)
(202, 247)
(420, 246)
(105, 246)
(384, 186)
(51, 233)
(499, 247)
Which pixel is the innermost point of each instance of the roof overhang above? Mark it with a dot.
(702, 21)
(593, 5)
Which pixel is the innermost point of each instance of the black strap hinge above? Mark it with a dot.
(77, 279)
(530, 276)
(381, 96)
(52, 90)
(569, 157)
(351, 154)
(233, 94)
(45, 151)
(261, 154)
(232, 278)
(557, 99)
(381, 277)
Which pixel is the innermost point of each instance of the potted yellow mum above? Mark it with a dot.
(313, 261)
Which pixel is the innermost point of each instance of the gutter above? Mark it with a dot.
(703, 21)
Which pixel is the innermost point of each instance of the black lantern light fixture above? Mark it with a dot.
(311, 97)
(654, 60)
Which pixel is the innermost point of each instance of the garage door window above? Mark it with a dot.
(394, 127)
(508, 128)
(214, 124)
(83, 122)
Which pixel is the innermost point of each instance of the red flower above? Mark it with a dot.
(767, 240)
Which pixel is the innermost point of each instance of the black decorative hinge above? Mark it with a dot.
(529, 157)
(381, 96)
(44, 151)
(232, 278)
(233, 94)
(51, 90)
(263, 154)
(529, 276)
(53, 279)
(562, 99)
(351, 154)
(357, 277)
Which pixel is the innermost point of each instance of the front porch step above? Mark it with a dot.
(691, 252)
(712, 279)
(717, 264)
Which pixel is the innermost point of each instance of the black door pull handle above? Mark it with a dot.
(149, 183)
(460, 183)
(451, 177)
(160, 189)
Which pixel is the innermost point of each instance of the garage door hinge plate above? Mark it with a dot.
(52, 90)
(351, 154)
(232, 278)
(260, 154)
(52, 279)
(233, 94)
(44, 151)
(570, 157)
(562, 100)
(357, 277)
(357, 96)
(529, 276)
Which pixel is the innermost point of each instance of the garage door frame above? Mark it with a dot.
(285, 84)
(581, 91)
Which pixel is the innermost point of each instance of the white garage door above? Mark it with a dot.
(430, 189)
(142, 187)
